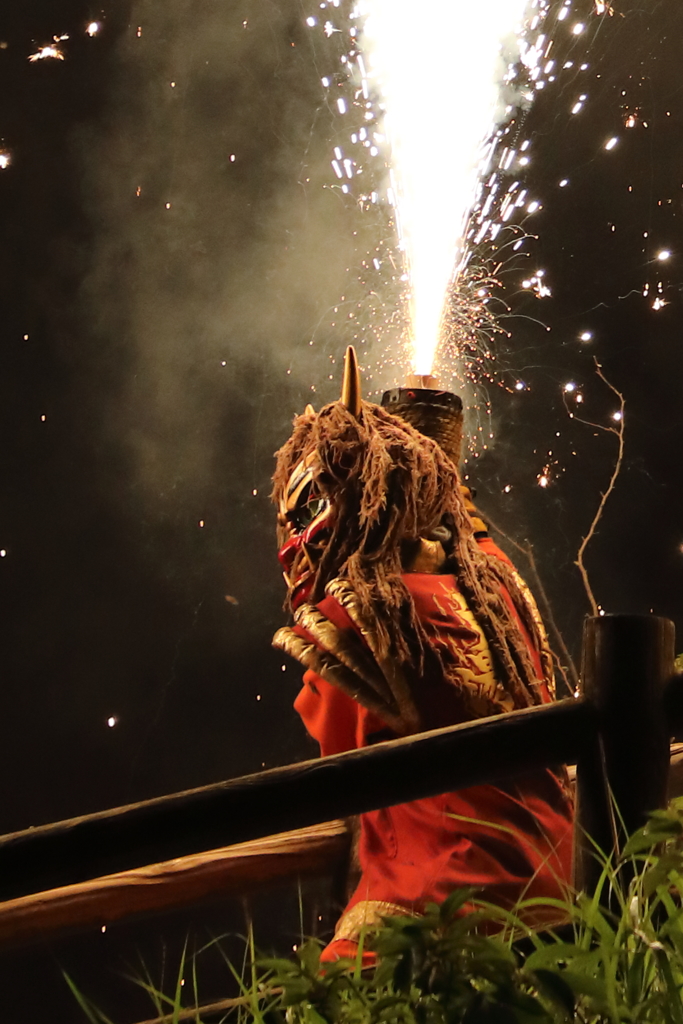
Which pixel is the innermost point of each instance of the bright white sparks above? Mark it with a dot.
(5, 160)
(93, 28)
(537, 284)
(50, 52)
(611, 143)
(440, 73)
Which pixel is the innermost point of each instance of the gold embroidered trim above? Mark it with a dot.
(544, 652)
(367, 914)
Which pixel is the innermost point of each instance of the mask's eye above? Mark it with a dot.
(308, 507)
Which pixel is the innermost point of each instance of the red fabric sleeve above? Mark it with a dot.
(332, 718)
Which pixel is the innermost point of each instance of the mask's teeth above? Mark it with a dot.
(306, 551)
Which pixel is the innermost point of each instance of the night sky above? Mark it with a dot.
(166, 309)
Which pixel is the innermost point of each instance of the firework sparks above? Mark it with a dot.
(495, 209)
(538, 285)
(52, 51)
(49, 52)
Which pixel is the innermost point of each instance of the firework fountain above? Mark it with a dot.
(441, 150)
(446, 80)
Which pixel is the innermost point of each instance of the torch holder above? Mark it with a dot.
(436, 414)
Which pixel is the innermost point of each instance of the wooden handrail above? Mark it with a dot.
(318, 851)
(296, 796)
(236, 870)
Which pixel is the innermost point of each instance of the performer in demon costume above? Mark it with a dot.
(407, 617)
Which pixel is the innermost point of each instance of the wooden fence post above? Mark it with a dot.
(627, 662)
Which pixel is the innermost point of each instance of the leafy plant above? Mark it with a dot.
(620, 958)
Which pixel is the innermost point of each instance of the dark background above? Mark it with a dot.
(152, 359)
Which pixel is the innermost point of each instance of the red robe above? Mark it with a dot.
(520, 842)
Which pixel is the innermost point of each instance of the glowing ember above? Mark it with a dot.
(5, 159)
(93, 28)
(537, 284)
(50, 52)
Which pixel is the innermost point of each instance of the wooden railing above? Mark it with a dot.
(617, 732)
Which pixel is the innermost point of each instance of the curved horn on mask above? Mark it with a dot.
(309, 410)
(351, 386)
